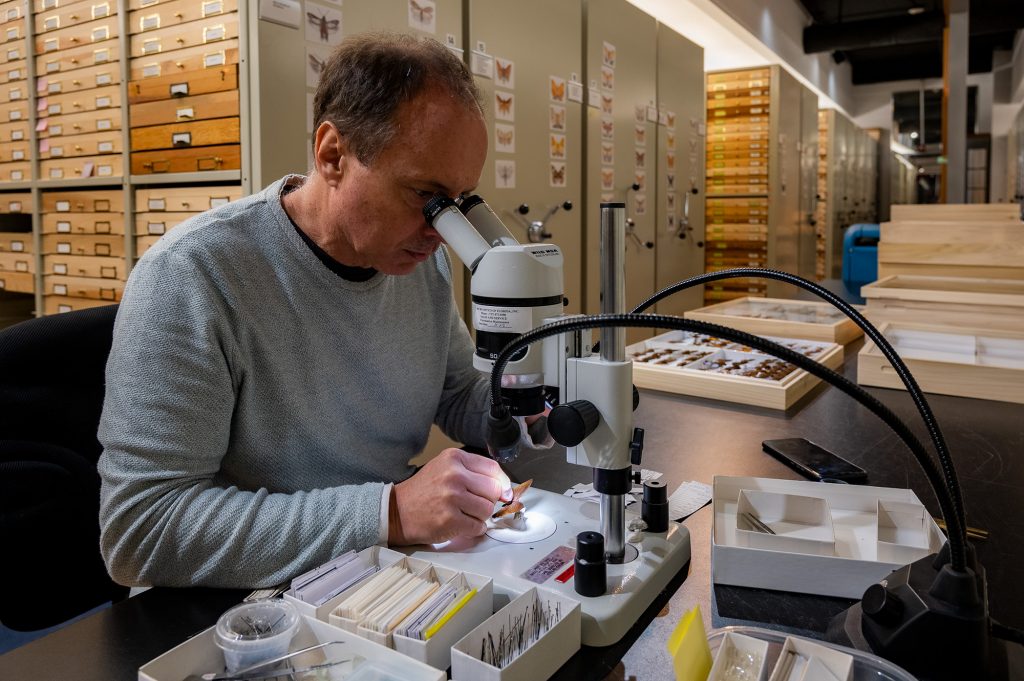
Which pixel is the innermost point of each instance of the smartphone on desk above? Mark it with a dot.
(814, 462)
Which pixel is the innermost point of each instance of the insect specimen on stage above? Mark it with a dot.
(514, 505)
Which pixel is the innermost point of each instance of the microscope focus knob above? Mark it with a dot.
(571, 423)
(881, 605)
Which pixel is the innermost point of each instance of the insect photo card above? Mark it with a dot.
(556, 116)
(423, 15)
(557, 174)
(557, 86)
(504, 73)
(505, 138)
(323, 24)
(505, 174)
(504, 106)
(316, 60)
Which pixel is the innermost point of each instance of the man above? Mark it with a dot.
(275, 359)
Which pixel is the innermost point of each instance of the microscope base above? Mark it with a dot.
(632, 586)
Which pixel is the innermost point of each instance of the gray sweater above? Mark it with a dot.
(256, 401)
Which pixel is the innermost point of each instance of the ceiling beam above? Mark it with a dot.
(884, 32)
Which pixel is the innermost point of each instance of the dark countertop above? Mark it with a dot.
(686, 439)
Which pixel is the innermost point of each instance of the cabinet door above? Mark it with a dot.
(807, 249)
(621, 143)
(679, 227)
(529, 54)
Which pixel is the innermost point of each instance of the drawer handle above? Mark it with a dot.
(209, 163)
(76, 105)
(76, 82)
(76, 126)
(181, 139)
(74, 40)
(180, 41)
(179, 64)
(157, 166)
(185, 204)
(78, 148)
(178, 15)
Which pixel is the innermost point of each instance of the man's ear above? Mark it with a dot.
(329, 153)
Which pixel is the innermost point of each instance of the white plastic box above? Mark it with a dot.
(822, 663)
(801, 524)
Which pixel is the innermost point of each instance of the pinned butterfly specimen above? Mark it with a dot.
(421, 14)
(557, 116)
(514, 505)
(505, 138)
(505, 111)
(557, 89)
(557, 174)
(504, 69)
(639, 113)
(557, 144)
(326, 26)
(607, 153)
(606, 103)
(670, 202)
(506, 174)
(640, 156)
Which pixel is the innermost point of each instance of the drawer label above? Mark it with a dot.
(156, 227)
(100, 10)
(185, 113)
(63, 206)
(14, 206)
(55, 86)
(17, 135)
(56, 151)
(15, 115)
(104, 124)
(63, 307)
(214, 59)
(102, 249)
(13, 54)
(102, 102)
(56, 173)
(17, 175)
(100, 33)
(157, 204)
(213, 33)
(102, 227)
(101, 56)
(56, 130)
(105, 147)
(60, 289)
(17, 246)
(105, 171)
(13, 13)
(18, 155)
(15, 93)
(14, 74)
(149, 22)
(54, 108)
(218, 201)
(51, 23)
(52, 66)
(63, 227)
(212, 7)
(12, 34)
(50, 44)
(150, 46)
(103, 79)
(179, 89)
(21, 266)
(181, 139)
(147, 3)
(150, 70)
(49, 4)
(63, 247)
(60, 269)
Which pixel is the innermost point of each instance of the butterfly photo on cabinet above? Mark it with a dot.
(670, 179)
(640, 154)
(557, 89)
(324, 24)
(607, 178)
(503, 68)
(505, 174)
(504, 138)
(421, 15)
(640, 204)
(608, 55)
(606, 103)
(607, 153)
(670, 120)
(557, 116)
(557, 174)
(640, 135)
(557, 146)
(607, 78)
(670, 161)
(314, 66)
(607, 128)
(670, 140)
(640, 178)
(504, 106)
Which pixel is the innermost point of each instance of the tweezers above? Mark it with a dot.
(756, 523)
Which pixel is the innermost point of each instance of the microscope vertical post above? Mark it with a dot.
(613, 349)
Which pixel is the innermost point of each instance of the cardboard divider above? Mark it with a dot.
(802, 524)
(902, 531)
(378, 555)
(414, 565)
(747, 652)
(544, 656)
(813, 663)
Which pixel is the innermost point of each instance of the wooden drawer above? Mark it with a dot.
(84, 266)
(15, 172)
(91, 144)
(14, 151)
(79, 124)
(59, 304)
(204, 32)
(144, 243)
(180, 135)
(177, 12)
(83, 287)
(108, 165)
(14, 92)
(14, 71)
(16, 243)
(157, 224)
(73, 14)
(745, 74)
(12, 30)
(184, 199)
(200, 107)
(80, 79)
(69, 60)
(100, 201)
(188, 84)
(76, 102)
(13, 52)
(93, 244)
(9, 11)
(16, 203)
(17, 262)
(198, 159)
(14, 132)
(14, 111)
(209, 56)
(17, 282)
(89, 33)
(83, 223)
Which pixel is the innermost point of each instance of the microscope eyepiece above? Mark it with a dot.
(469, 202)
(435, 205)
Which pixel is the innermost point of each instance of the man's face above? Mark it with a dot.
(440, 147)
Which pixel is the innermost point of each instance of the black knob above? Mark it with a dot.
(881, 605)
(654, 507)
(681, 235)
(636, 446)
(630, 222)
(700, 244)
(571, 423)
(523, 208)
(694, 190)
(566, 205)
(649, 244)
(635, 186)
(590, 574)
(636, 398)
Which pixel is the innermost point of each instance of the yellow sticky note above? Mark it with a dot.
(688, 646)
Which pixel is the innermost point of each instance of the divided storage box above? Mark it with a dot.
(696, 364)
(952, 301)
(876, 530)
(780, 317)
(963, 362)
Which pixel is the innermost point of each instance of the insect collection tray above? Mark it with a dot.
(780, 317)
(950, 301)
(987, 364)
(704, 366)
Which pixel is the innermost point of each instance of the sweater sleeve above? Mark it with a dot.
(166, 516)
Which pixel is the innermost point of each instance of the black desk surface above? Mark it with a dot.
(687, 439)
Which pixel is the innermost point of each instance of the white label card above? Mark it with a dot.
(60, 289)
(214, 59)
(151, 46)
(185, 113)
(104, 124)
(17, 135)
(50, 44)
(105, 147)
(17, 155)
(56, 173)
(149, 22)
(157, 204)
(212, 7)
(62, 308)
(101, 33)
(217, 201)
(213, 33)
(55, 86)
(102, 102)
(502, 319)
(103, 56)
(63, 206)
(103, 171)
(17, 175)
(56, 130)
(156, 227)
(103, 79)
(17, 246)
(63, 227)
(14, 206)
(150, 70)
(179, 89)
(100, 10)
(60, 269)
(63, 247)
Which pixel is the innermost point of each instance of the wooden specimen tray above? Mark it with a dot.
(779, 317)
(58, 304)
(953, 301)
(958, 212)
(696, 364)
(966, 362)
(17, 282)
(85, 266)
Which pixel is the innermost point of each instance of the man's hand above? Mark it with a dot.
(451, 496)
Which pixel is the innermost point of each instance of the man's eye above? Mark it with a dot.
(423, 193)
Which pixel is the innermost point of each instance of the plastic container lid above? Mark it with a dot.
(252, 632)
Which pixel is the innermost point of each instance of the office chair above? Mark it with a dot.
(51, 396)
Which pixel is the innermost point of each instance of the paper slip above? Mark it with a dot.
(688, 498)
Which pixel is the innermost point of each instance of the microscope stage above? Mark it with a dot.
(632, 586)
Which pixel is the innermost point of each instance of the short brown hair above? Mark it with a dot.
(370, 75)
